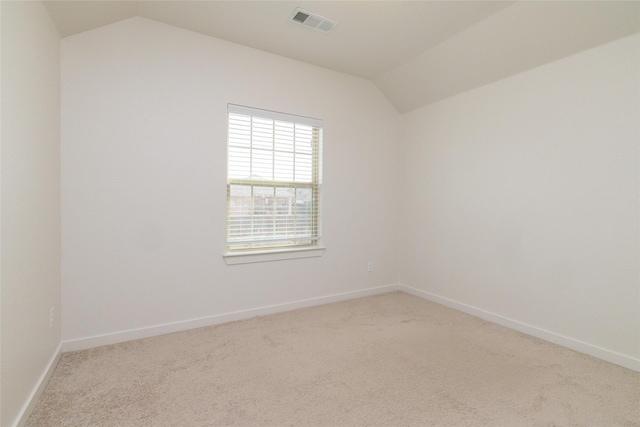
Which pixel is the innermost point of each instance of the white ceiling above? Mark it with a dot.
(416, 52)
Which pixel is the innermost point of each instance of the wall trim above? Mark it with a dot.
(571, 343)
(117, 337)
(30, 404)
(134, 334)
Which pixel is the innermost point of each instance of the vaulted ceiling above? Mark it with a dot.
(416, 52)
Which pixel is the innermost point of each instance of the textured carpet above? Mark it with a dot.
(387, 360)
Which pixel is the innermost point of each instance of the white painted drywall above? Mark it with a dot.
(517, 38)
(521, 198)
(30, 213)
(144, 134)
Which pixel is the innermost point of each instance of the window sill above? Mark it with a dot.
(272, 255)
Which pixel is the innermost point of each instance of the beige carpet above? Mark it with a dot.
(387, 360)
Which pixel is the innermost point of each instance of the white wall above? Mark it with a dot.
(522, 200)
(143, 178)
(30, 212)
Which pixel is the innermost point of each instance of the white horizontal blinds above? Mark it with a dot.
(273, 182)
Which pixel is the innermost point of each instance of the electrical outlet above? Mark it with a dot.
(51, 317)
(370, 266)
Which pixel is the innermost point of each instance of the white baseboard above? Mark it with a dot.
(90, 342)
(30, 404)
(134, 334)
(582, 347)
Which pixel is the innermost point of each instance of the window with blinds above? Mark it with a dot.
(273, 180)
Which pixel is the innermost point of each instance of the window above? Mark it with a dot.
(273, 180)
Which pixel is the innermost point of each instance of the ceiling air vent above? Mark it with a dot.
(313, 20)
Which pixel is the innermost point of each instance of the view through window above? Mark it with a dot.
(273, 180)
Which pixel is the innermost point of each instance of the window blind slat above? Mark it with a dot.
(273, 179)
(284, 117)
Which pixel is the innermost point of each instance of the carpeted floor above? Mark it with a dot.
(387, 360)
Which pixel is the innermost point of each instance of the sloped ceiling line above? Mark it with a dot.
(415, 52)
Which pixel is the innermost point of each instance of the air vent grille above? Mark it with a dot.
(313, 20)
(300, 17)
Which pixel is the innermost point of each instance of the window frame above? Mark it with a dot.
(269, 249)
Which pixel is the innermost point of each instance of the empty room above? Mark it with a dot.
(320, 213)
